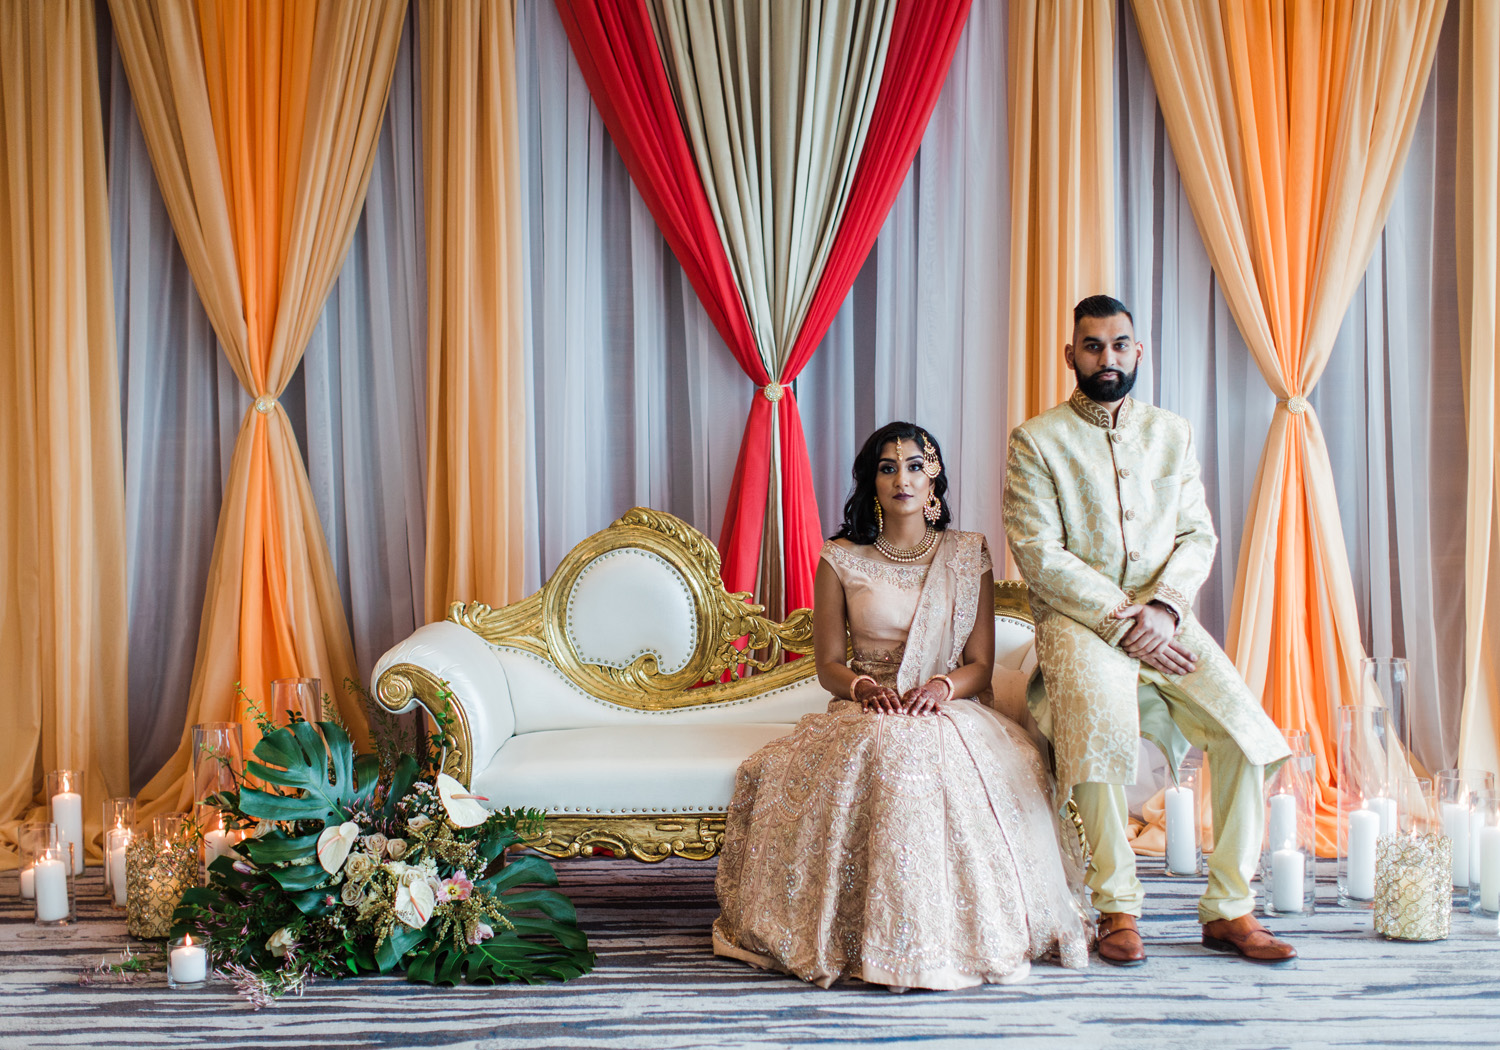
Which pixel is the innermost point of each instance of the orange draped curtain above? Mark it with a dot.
(476, 400)
(62, 474)
(1478, 229)
(262, 121)
(1290, 123)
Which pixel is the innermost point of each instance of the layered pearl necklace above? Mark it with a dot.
(907, 554)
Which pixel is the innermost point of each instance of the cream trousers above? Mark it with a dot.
(1238, 819)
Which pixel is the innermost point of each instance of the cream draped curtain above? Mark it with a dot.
(1062, 205)
(1478, 228)
(776, 163)
(1290, 128)
(476, 401)
(62, 528)
(261, 124)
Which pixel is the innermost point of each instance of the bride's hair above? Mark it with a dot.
(859, 510)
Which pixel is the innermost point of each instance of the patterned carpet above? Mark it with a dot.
(658, 985)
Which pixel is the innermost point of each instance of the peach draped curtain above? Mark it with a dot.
(261, 120)
(476, 406)
(1478, 228)
(62, 491)
(1062, 186)
(1290, 123)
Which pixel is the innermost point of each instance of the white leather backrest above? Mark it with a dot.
(1015, 643)
(629, 602)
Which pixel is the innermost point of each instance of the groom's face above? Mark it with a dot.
(1104, 356)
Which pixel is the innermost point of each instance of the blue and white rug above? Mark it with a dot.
(657, 984)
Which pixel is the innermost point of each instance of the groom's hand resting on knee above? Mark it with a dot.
(1152, 639)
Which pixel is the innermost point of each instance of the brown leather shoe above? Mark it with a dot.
(1248, 939)
(1119, 941)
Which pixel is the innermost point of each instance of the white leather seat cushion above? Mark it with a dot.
(624, 768)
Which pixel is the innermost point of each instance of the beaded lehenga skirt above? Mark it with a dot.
(907, 851)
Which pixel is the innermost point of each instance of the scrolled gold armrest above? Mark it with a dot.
(401, 684)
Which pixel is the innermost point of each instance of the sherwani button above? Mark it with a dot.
(1130, 515)
(1135, 555)
(1124, 472)
(1114, 435)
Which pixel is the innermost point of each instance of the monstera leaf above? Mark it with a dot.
(544, 942)
(296, 757)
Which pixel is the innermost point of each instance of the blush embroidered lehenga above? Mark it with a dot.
(910, 851)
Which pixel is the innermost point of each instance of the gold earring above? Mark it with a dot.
(879, 516)
(932, 510)
(931, 465)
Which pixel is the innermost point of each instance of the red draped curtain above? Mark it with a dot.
(617, 49)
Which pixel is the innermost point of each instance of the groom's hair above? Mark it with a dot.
(1100, 306)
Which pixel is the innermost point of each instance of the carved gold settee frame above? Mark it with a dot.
(739, 653)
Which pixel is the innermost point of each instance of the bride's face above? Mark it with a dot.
(901, 485)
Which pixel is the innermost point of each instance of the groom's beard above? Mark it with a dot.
(1107, 385)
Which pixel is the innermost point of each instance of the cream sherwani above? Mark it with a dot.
(1101, 514)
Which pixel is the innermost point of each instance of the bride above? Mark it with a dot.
(907, 836)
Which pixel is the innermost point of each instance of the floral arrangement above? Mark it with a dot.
(350, 868)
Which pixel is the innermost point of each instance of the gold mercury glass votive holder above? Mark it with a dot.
(159, 868)
(1413, 887)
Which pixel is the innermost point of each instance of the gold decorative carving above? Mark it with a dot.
(641, 837)
(1011, 600)
(740, 652)
(400, 684)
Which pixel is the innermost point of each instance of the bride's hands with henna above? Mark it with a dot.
(875, 697)
(924, 699)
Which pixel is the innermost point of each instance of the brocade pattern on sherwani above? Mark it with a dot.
(908, 851)
(1100, 514)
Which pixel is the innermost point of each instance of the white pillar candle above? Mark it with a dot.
(1386, 808)
(1476, 828)
(28, 883)
(1489, 868)
(1283, 822)
(1182, 840)
(116, 868)
(216, 844)
(51, 890)
(1287, 876)
(67, 814)
(1456, 827)
(1364, 829)
(188, 963)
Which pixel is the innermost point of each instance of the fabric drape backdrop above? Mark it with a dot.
(1062, 187)
(264, 232)
(476, 404)
(1296, 130)
(1477, 208)
(62, 531)
(617, 52)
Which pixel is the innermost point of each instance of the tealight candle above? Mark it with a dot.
(187, 961)
(1182, 838)
(1287, 874)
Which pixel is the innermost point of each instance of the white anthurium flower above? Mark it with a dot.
(465, 809)
(334, 845)
(414, 903)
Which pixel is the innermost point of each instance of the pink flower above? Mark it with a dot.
(458, 888)
(243, 868)
(482, 933)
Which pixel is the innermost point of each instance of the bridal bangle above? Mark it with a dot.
(948, 682)
(854, 686)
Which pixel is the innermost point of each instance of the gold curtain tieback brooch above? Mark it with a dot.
(774, 391)
(265, 403)
(1296, 404)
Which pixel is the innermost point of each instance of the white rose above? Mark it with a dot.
(359, 867)
(418, 822)
(280, 941)
(395, 849)
(376, 844)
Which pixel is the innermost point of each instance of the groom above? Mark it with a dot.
(1106, 517)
